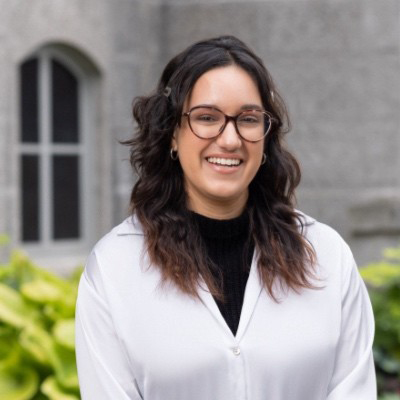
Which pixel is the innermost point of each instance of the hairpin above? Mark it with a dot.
(167, 91)
(272, 95)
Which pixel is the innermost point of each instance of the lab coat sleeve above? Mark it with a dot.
(354, 373)
(103, 366)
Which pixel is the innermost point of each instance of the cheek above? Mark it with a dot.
(256, 152)
(190, 150)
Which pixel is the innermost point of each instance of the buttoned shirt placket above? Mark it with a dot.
(234, 344)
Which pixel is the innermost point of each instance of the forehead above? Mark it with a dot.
(229, 86)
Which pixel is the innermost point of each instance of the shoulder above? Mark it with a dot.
(332, 252)
(119, 249)
(129, 226)
(128, 230)
(320, 234)
(117, 267)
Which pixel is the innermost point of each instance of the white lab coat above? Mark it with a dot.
(136, 340)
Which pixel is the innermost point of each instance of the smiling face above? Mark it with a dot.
(218, 171)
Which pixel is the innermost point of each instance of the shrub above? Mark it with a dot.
(383, 281)
(37, 350)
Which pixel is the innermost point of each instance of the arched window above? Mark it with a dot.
(54, 160)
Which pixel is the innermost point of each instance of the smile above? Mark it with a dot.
(230, 162)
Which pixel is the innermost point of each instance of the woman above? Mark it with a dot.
(216, 288)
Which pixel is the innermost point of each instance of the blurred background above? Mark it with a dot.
(69, 70)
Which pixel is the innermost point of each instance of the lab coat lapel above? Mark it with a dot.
(252, 293)
(131, 226)
(208, 300)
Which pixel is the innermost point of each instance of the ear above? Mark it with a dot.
(174, 142)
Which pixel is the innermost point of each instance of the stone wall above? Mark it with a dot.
(336, 63)
(337, 66)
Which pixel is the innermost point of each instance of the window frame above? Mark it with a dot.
(46, 246)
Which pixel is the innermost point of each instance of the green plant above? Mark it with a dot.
(389, 396)
(383, 280)
(37, 351)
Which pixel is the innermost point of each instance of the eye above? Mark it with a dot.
(250, 118)
(206, 116)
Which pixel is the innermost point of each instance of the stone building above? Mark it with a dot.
(70, 69)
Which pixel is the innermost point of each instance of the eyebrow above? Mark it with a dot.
(250, 106)
(244, 107)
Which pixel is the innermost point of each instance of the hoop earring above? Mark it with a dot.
(264, 159)
(173, 154)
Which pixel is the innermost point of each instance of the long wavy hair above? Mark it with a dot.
(159, 199)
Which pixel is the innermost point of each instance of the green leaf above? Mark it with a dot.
(56, 295)
(40, 291)
(57, 311)
(392, 253)
(37, 343)
(379, 274)
(47, 276)
(62, 309)
(54, 391)
(23, 269)
(386, 362)
(40, 396)
(64, 363)
(389, 396)
(9, 354)
(5, 272)
(18, 384)
(13, 309)
(64, 333)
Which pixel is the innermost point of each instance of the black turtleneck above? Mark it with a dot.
(230, 248)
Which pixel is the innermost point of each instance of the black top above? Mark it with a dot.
(230, 248)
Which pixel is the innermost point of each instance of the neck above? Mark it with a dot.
(217, 209)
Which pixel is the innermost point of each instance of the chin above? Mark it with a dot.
(228, 194)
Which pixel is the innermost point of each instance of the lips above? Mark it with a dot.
(226, 162)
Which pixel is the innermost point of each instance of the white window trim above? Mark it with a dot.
(48, 251)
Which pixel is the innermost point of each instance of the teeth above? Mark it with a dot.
(223, 161)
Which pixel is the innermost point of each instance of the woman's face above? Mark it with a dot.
(214, 189)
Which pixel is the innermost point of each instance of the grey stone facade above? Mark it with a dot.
(335, 62)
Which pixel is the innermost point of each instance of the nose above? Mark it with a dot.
(229, 139)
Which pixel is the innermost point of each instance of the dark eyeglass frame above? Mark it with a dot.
(228, 118)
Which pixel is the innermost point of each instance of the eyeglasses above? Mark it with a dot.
(209, 122)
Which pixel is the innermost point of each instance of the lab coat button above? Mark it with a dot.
(236, 351)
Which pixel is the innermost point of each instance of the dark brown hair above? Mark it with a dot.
(159, 199)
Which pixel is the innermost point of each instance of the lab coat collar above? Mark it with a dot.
(130, 226)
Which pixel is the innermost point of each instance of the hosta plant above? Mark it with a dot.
(383, 280)
(37, 351)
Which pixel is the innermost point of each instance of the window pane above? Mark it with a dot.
(65, 105)
(29, 101)
(66, 197)
(30, 198)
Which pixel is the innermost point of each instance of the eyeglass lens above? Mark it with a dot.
(209, 122)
